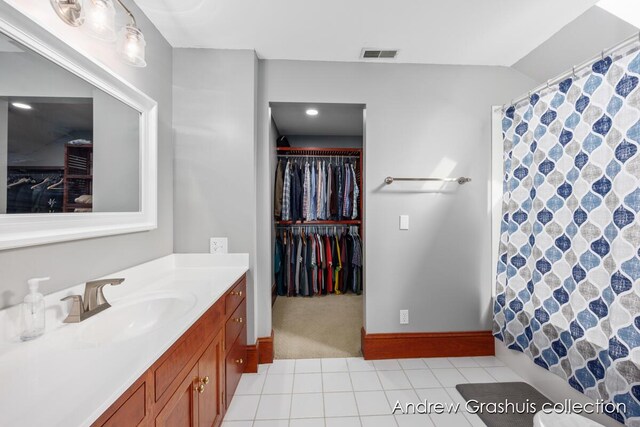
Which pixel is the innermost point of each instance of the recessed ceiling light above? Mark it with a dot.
(312, 112)
(21, 105)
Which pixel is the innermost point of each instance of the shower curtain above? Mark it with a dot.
(568, 279)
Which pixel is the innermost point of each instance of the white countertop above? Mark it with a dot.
(58, 380)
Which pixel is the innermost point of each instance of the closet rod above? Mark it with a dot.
(320, 226)
(461, 180)
(320, 156)
(577, 68)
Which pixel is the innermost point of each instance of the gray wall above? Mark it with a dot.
(581, 39)
(325, 141)
(116, 155)
(214, 131)
(420, 121)
(75, 262)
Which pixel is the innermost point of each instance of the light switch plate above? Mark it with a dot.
(404, 222)
(218, 245)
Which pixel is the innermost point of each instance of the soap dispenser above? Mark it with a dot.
(33, 311)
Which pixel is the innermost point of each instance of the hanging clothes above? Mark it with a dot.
(286, 193)
(316, 190)
(278, 191)
(278, 266)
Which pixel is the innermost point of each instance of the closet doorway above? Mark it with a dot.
(318, 229)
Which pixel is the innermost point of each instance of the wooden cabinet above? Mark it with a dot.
(211, 375)
(181, 409)
(192, 383)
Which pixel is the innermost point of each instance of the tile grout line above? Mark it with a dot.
(353, 392)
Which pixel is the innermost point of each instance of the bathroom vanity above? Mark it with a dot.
(169, 351)
(192, 383)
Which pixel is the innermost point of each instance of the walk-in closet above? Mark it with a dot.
(318, 229)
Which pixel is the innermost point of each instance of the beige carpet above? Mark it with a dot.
(309, 328)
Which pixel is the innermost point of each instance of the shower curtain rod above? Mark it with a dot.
(576, 69)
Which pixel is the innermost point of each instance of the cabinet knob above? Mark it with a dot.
(205, 380)
(239, 361)
(239, 293)
(200, 388)
(238, 319)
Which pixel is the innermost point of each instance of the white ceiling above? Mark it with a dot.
(332, 119)
(486, 32)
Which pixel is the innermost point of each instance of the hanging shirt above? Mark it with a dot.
(346, 211)
(329, 265)
(319, 191)
(325, 193)
(313, 212)
(333, 202)
(356, 193)
(329, 189)
(306, 196)
(340, 192)
(286, 193)
(277, 205)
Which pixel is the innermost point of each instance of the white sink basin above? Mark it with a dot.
(130, 318)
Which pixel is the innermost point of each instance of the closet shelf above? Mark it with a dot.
(80, 176)
(79, 205)
(321, 222)
(312, 151)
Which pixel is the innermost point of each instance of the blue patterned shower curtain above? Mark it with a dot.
(568, 280)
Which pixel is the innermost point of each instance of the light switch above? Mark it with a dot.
(404, 222)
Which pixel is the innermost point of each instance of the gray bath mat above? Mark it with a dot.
(518, 393)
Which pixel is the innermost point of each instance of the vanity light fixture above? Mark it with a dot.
(97, 19)
(100, 19)
(312, 112)
(22, 105)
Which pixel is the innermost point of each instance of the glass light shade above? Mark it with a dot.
(131, 46)
(100, 19)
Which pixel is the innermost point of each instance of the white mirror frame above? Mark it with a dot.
(19, 230)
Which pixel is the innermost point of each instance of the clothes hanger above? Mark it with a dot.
(20, 181)
(54, 186)
(47, 179)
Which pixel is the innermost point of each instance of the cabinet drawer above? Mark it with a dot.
(235, 362)
(235, 324)
(132, 411)
(235, 296)
(186, 349)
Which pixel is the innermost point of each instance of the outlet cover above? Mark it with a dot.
(218, 245)
(404, 317)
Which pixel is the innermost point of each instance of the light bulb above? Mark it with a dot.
(131, 46)
(100, 18)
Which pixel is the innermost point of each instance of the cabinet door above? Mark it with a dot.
(211, 372)
(182, 408)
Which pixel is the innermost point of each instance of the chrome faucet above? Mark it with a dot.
(93, 303)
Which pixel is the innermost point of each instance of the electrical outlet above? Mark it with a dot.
(404, 317)
(218, 245)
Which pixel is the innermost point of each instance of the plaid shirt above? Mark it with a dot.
(356, 193)
(306, 196)
(286, 194)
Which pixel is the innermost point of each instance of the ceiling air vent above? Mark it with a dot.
(379, 53)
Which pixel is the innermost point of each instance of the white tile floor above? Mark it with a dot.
(355, 392)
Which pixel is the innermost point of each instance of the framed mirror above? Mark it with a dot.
(77, 143)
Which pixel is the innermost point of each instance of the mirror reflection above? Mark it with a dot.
(65, 145)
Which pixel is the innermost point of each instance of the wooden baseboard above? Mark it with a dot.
(265, 353)
(427, 344)
(259, 353)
